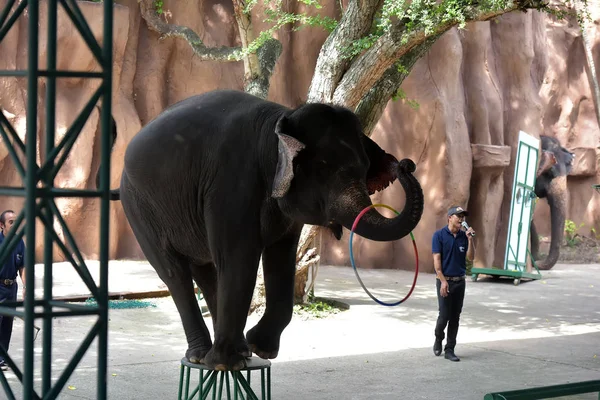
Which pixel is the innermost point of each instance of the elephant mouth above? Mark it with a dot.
(336, 229)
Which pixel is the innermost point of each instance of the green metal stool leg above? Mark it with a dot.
(187, 383)
(248, 377)
(223, 376)
(201, 385)
(235, 386)
(181, 368)
(269, 383)
(211, 382)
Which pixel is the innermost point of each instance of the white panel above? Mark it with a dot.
(521, 209)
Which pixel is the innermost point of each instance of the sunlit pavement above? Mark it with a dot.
(511, 337)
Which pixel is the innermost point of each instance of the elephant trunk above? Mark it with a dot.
(373, 225)
(535, 241)
(557, 200)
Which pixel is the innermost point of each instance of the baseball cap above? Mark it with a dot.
(457, 210)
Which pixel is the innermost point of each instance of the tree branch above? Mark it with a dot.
(373, 103)
(369, 67)
(331, 64)
(165, 30)
(258, 67)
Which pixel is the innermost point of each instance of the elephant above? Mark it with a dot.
(556, 162)
(221, 179)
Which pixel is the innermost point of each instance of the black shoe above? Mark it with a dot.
(451, 356)
(437, 348)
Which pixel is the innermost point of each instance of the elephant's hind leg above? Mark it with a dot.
(179, 282)
(205, 276)
(172, 269)
(176, 275)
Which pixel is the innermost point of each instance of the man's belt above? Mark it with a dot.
(455, 278)
(7, 282)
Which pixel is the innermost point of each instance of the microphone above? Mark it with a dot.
(466, 226)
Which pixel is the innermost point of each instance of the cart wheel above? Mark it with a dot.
(517, 281)
(474, 277)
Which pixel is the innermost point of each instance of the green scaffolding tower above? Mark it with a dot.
(39, 195)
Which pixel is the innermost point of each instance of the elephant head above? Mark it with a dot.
(555, 164)
(327, 168)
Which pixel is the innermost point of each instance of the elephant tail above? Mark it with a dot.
(114, 194)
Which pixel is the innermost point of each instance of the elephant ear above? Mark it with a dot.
(563, 158)
(547, 161)
(288, 148)
(383, 169)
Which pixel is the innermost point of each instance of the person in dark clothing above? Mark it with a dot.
(8, 279)
(451, 246)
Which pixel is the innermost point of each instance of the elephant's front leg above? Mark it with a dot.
(237, 269)
(279, 267)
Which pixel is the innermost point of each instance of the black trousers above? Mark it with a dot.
(7, 294)
(449, 308)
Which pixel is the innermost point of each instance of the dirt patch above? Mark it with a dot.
(579, 250)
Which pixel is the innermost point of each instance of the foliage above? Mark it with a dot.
(401, 94)
(318, 307)
(425, 15)
(158, 5)
(571, 235)
(278, 18)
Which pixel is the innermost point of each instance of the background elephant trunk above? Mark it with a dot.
(557, 200)
(373, 225)
(535, 241)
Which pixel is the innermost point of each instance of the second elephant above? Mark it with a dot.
(555, 164)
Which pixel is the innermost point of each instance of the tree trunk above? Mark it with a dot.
(307, 260)
(593, 78)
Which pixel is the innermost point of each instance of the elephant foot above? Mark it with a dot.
(196, 355)
(263, 343)
(224, 360)
(242, 347)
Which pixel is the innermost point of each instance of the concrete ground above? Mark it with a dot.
(539, 333)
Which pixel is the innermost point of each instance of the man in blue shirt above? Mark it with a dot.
(8, 279)
(450, 246)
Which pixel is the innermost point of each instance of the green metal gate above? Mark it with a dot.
(39, 195)
(521, 213)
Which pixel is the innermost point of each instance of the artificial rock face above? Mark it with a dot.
(476, 89)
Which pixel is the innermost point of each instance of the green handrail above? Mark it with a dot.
(547, 392)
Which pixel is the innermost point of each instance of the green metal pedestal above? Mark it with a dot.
(211, 381)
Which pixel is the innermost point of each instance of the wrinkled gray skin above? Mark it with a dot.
(220, 179)
(551, 183)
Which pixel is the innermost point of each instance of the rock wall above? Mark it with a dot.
(476, 88)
